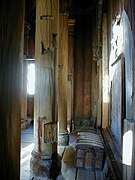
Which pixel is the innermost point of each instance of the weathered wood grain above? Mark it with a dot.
(62, 71)
(71, 25)
(11, 55)
(46, 60)
(83, 69)
(105, 75)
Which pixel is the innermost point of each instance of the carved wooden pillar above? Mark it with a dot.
(62, 73)
(70, 124)
(45, 127)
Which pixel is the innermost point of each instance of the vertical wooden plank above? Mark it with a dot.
(78, 78)
(94, 90)
(71, 24)
(105, 75)
(62, 71)
(83, 71)
(99, 88)
(116, 124)
(87, 71)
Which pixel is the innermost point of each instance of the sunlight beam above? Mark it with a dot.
(127, 147)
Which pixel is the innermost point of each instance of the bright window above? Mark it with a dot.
(31, 78)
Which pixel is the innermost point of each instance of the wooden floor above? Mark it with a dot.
(81, 174)
(89, 175)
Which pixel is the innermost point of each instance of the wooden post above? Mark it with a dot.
(45, 126)
(71, 24)
(62, 73)
(11, 55)
(105, 75)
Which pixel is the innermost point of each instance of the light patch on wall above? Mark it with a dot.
(117, 39)
(127, 147)
(112, 71)
(116, 44)
(105, 89)
(31, 79)
(26, 153)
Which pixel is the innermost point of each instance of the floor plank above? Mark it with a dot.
(85, 175)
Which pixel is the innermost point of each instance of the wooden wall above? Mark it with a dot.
(122, 81)
(116, 103)
(115, 70)
(129, 7)
(129, 54)
(83, 68)
(11, 54)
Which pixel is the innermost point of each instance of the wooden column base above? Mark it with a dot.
(63, 138)
(45, 165)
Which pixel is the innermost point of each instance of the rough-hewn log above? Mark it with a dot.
(11, 55)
